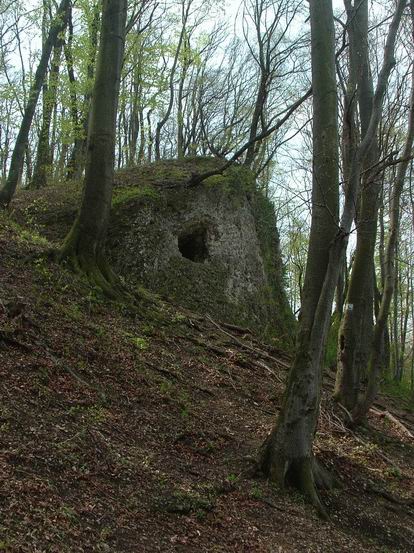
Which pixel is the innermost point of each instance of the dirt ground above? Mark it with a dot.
(128, 430)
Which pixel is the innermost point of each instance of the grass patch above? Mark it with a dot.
(399, 390)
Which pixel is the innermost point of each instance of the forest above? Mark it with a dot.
(207, 275)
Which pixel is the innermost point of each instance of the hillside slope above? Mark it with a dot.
(125, 431)
(239, 276)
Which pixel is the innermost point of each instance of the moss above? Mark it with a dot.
(166, 172)
(201, 287)
(126, 194)
(34, 238)
(275, 297)
(139, 342)
(236, 179)
(185, 502)
(198, 285)
(29, 236)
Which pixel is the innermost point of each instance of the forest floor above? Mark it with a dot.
(137, 431)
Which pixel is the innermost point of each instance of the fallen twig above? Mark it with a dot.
(387, 415)
(250, 348)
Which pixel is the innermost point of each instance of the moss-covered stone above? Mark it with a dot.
(157, 224)
(268, 235)
(236, 276)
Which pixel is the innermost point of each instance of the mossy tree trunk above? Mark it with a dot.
(287, 453)
(17, 159)
(84, 246)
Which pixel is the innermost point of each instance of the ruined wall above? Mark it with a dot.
(212, 248)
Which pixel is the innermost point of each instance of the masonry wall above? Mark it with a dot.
(212, 248)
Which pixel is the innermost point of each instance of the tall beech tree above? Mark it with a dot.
(57, 26)
(356, 333)
(270, 22)
(185, 13)
(84, 246)
(44, 156)
(374, 364)
(287, 452)
(80, 116)
(357, 321)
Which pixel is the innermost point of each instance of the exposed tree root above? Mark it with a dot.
(389, 497)
(89, 259)
(304, 473)
(8, 339)
(324, 479)
(136, 302)
(97, 271)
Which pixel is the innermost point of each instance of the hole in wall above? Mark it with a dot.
(193, 245)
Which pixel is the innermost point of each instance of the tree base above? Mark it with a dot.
(95, 268)
(306, 474)
(99, 273)
(5, 198)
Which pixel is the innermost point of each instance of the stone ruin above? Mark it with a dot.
(213, 248)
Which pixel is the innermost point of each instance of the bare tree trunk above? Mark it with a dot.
(134, 123)
(357, 320)
(44, 156)
(405, 313)
(385, 346)
(85, 244)
(76, 164)
(412, 324)
(394, 318)
(56, 27)
(150, 136)
(141, 151)
(288, 450)
(258, 110)
(180, 111)
(185, 11)
(29, 164)
(341, 288)
(374, 365)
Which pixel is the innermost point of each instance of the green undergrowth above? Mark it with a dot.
(399, 390)
(29, 235)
